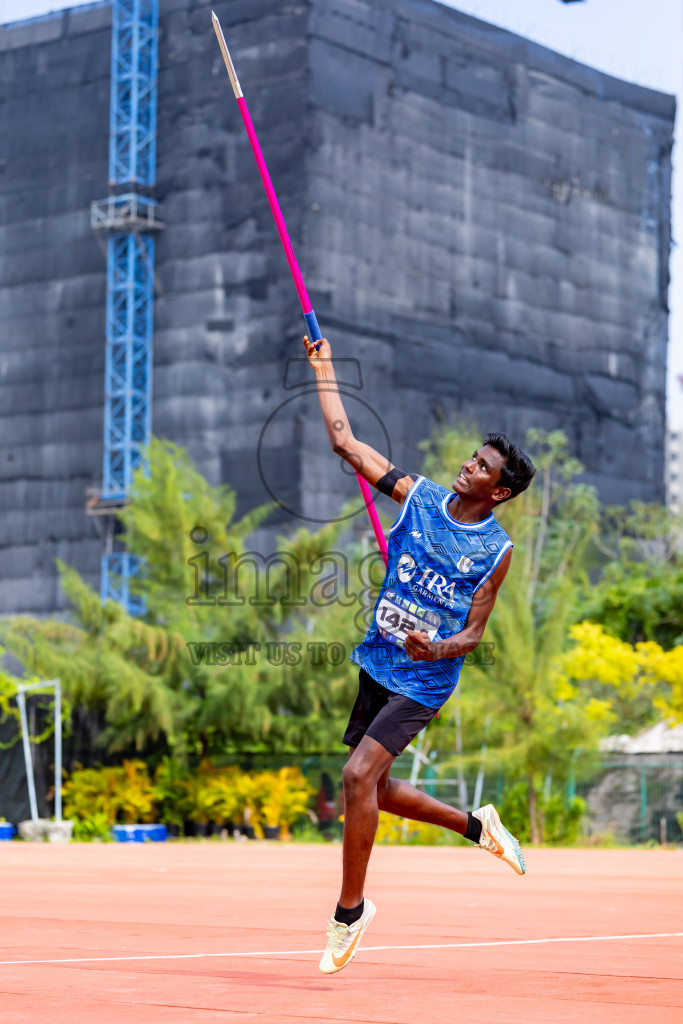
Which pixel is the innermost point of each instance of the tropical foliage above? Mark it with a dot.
(562, 818)
(8, 689)
(639, 594)
(97, 798)
(123, 671)
(394, 831)
(248, 651)
(640, 683)
(123, 793)
(235, 649)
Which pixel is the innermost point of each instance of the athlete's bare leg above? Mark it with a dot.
(366, 765)
(368, 789)
(399, 797)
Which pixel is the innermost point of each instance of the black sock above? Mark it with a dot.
(348, 915)
(473, 830)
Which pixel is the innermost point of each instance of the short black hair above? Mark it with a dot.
(518, 471)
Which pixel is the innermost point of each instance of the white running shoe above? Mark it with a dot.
(343, 940)
(497, 840)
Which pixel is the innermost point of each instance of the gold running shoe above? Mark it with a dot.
(343, 940)
(497, 840)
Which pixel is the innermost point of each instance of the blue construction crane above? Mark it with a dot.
(128, 218)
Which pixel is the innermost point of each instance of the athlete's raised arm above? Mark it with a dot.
(419, 647)
(376, 468)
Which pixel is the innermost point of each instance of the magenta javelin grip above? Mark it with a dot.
(314, 331)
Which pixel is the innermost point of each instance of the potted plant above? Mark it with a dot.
(198, 802)
(170, 779)
(248, 793)
(125, 793)
(135, 796)
(297, 797)
(272, 801)
(96, 828)
(223, 796)
(135, 802)
(286, 798)
(90, 791)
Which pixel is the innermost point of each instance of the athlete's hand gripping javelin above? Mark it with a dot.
(366, 461)
(419, 647)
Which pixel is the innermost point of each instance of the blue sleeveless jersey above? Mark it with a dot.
(436, 565)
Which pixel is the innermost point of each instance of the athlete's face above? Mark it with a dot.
(479, 476)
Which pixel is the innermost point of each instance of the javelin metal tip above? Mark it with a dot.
(236, 88)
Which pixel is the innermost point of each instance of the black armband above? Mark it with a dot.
(387, 483)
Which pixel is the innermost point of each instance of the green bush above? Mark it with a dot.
(284, 798)
(170, 779)
(305, 831)
(395, 831)
(95, 829)
(96, 798)
(562, 819)
(120, 794)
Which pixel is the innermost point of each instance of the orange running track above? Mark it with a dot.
(187, 933)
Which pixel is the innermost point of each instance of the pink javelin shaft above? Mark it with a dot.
(314, 331)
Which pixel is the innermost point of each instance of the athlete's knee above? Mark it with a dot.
(356, 778)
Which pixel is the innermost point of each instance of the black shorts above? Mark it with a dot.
(384, 716)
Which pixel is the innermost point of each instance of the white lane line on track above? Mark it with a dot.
(367, 949)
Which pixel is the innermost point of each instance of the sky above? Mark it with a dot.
(638, 41)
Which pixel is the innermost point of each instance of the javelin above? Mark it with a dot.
(314, 331)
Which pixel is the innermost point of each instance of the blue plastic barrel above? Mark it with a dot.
(7, 830)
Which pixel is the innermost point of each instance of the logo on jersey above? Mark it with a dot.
(416, 534)
(406, 567)
(431, 583)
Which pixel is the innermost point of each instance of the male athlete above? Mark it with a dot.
(447, 559)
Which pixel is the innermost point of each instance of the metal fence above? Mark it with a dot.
(632, 800)
(636, 799)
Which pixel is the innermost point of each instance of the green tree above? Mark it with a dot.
(296, 694)
(641, 682)
(8, 706)
(639, 593)
(220, 661)
(124, 671)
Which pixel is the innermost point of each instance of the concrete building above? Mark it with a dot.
(674, 468)
(674, 464)
(483, 226)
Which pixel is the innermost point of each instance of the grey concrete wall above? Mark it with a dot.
(54, 137)
(489, 229)
(227, 308)
(483, 227)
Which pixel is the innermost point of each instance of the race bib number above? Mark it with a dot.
(396, 616)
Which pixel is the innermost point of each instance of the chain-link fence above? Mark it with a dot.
(630, 800)
(638, 799)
